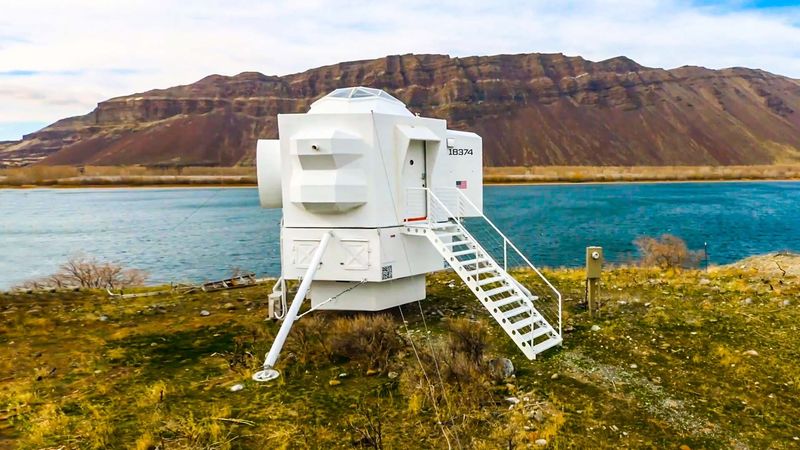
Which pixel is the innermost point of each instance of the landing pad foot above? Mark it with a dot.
(266, 375)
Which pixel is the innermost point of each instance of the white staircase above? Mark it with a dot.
(531, 319)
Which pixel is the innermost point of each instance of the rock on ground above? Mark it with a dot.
(504, 366)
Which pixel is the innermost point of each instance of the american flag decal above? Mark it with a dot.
(461, 184)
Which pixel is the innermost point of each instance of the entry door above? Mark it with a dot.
(413, 178)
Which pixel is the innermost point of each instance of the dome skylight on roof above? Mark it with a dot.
(359, 99)
(361, 92)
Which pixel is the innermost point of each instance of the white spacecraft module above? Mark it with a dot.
(374, 198)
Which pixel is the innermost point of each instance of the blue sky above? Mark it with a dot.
(760, 3)
(15, 130)
(59, 58)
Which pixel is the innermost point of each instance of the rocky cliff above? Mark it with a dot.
(531, 109)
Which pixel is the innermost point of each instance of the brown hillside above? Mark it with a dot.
(531, 109)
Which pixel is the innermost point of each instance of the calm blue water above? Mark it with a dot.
(202, 234)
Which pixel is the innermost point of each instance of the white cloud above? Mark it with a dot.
(85, 51)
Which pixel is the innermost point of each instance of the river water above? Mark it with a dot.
(203, 234)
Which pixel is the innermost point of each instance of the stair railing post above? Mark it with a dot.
(559, 315)
(505, 254)
(428, 210)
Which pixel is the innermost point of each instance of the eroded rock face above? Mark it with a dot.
(531, 109)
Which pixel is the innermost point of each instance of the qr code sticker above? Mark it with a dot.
(386, 272)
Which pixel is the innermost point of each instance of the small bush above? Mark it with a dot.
(308, 340)
(84, 272)
(459, 359)
(666, 252)
(464, 354)
(242, 357)
(467, 337)
(371, 339)
(366, 423)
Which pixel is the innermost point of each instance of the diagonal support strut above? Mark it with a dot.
(269, 373)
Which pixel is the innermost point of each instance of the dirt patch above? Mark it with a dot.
(781, 264)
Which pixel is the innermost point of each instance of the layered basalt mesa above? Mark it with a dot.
(531, 109)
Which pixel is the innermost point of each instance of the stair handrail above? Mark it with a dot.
(464, 230)
(507, 241)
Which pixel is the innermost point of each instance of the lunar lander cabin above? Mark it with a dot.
(374, 198)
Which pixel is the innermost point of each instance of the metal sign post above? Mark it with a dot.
(594, 267)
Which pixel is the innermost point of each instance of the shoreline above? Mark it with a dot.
(643, 181)
(763, 262)
(129, 186)
(95, 177)
(485, 183)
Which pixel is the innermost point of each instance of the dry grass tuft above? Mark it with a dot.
(468, 337)
(207, 432)
(308, 341)
(367, 339)
(584, 174)
(48, 424)
(72, 176)
(455, 377)
(69, 176)
(152, 395)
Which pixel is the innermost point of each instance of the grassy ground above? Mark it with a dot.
(133, 176)
(680, 360)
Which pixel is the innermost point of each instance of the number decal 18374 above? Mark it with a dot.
(459, 151)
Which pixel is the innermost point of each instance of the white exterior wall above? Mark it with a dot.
(356, 254)
(353, 177)
(368, 297)
(464, 162)
(346, 169)
(268, 171)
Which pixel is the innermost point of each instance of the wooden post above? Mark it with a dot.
(594, 267)
(592, 292)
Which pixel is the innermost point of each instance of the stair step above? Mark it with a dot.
(552, 342)
(528, 320)
(540, 331)
(532, 298)
(443, 225)
(516, 311)
(491, 280)
(498, 290)
(474, 261)
(481, 270)
(506, 301)
(521, 320)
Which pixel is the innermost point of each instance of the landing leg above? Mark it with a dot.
(268, 373)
